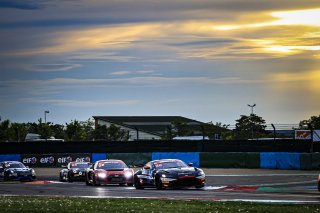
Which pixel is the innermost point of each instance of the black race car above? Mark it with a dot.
(15, 170)
(74, 171)
(167, 173)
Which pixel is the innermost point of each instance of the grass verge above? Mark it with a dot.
(66, 204)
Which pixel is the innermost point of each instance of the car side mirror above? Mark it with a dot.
(146, 167)
(190, 164)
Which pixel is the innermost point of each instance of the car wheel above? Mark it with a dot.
(6, 177)
(87, 182)
(69, 179)
(159, 184)
(137, 184)
(94, 181)
(199, 186)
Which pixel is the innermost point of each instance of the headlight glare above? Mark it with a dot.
(102, 175)
(128, 174)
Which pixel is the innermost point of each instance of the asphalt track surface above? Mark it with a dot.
(253, 185)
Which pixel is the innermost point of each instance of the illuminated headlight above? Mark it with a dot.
(163, 175)
(128, 174)
(102, 175)
(33, 172)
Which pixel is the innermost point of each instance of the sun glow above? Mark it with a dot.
(297, 17)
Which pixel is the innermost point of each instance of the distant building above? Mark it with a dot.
(147, 127)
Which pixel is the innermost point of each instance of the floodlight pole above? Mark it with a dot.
(252, 106)
(45, 116)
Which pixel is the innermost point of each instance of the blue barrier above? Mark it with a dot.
(188, 157)
(279, 160)
(98, 156)
(288, 160)
(268, 160)
(12, 157)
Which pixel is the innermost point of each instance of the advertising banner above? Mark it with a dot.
(302, 134)
(306, 135)
(36, 160)
(53, 160)
(64, 159)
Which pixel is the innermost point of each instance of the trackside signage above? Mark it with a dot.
(31, 160)
(306, 135)
(47, 160)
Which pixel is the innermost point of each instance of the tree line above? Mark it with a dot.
(247, 126)
(73, 131)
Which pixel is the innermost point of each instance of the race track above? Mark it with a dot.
(278, 186)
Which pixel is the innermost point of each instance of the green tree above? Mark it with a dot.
(181, 128)
(313, 122)
(74, 131)
(79, 130)
(251, 126)
(211, 130)
(20, 130)
(112, 133)
(58, 131)
(6, 133)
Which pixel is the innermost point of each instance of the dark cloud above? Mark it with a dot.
(21, 4)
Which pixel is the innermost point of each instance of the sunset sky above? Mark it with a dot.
(203, 59)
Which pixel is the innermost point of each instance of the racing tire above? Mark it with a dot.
(137, 184)
(199, 186)
(94, 183)
(6, 177)
(87, 182)
(69, 179)
(159, 184)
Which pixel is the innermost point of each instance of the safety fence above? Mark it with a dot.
(264, 160)
(300, 146)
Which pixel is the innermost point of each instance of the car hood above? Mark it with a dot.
(79, 169)
(19, 169)
(183, 170)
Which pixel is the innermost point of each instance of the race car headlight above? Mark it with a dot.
(128, 174)
(33, 172)
(102, 175)
(163, 175)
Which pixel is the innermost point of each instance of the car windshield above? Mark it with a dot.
(110, 165)
(169, 164)
(15, 165)
(80, 165)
